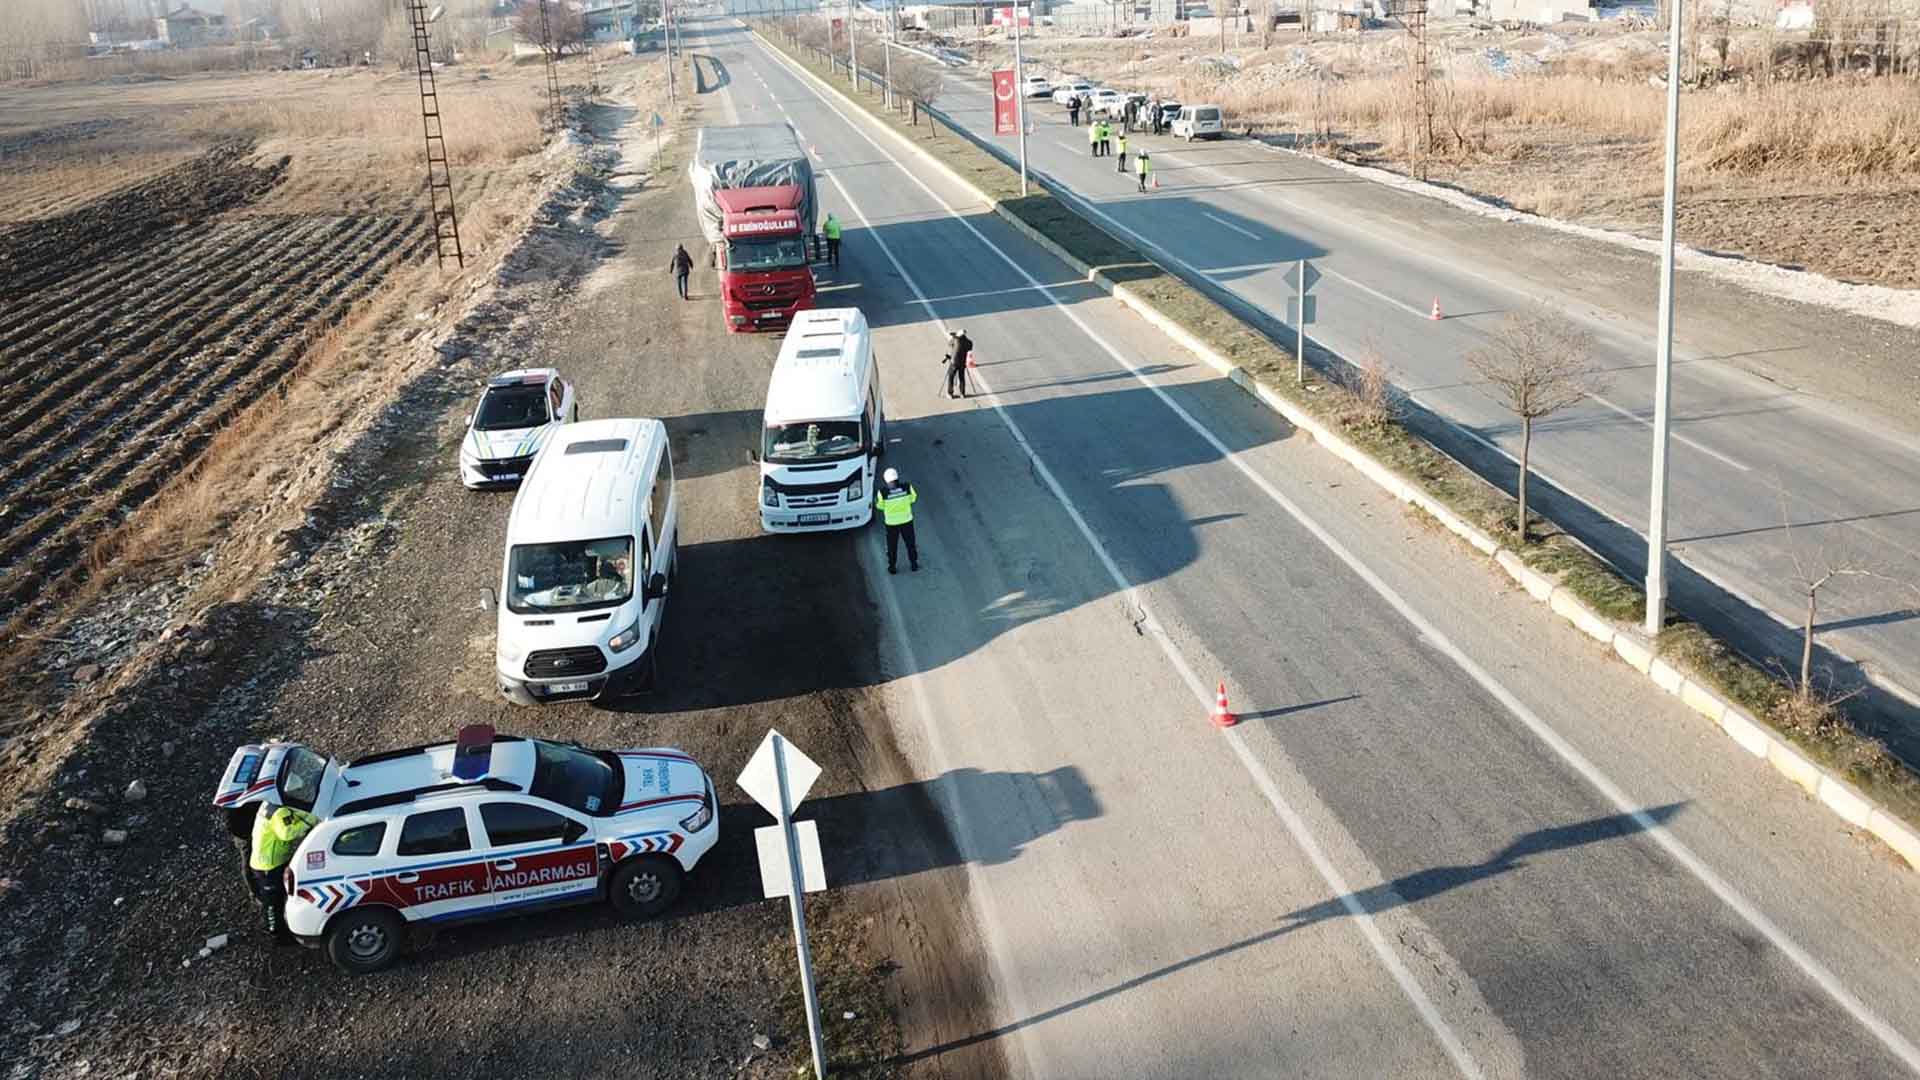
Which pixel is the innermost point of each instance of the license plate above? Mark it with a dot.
(566, 687)
(508, 476)
(813, 519)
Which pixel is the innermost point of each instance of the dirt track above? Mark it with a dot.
(368, 637)
(138, 324)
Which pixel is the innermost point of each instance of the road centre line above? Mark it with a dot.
(1677, 437)
(1892, 1039)
(1248, 233)
(1151, 626)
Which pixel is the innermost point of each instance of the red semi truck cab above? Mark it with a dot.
(762, 257)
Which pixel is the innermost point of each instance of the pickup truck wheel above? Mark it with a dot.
(365, 940)
(644, 887)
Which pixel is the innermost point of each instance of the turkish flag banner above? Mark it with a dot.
(1003, 103)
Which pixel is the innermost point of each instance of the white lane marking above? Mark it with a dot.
(1248, 233)
(1295, 825)
(1893, 1040)
(1677, 437)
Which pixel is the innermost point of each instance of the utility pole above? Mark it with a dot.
(1020, 98)
(886, 50)
(1663, 362)
(666, 35)
(853, 51)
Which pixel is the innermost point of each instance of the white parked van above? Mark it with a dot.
(590, 551)
(823, 425)
(1199, 122)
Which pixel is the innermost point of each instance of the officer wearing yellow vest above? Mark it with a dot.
(277, 830)
(1120, 144)
(895, 503)
(1093, 137)
(832, 230)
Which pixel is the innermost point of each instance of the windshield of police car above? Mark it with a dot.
(779, 253)
(507, 408)
(812, 440)
(572, 575)
(577, 779)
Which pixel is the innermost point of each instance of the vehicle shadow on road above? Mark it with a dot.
(865, 837)
(1403, 891)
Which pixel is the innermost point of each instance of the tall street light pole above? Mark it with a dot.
(1019, 97)
(1663, 364)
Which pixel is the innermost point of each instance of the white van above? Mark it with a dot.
(1199, 122)
(590, 551)
(823, 426)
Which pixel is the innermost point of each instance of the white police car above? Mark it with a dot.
(472, 829)
(515, 414)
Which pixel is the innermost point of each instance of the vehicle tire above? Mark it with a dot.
(365, 940)
(644, 887)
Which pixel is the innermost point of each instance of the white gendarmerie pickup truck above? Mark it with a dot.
(478, 828)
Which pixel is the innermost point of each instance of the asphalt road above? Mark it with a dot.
(1447, 837)
(1751, 453)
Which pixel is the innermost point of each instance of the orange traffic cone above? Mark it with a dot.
(1436, 316)
(1156, 183)
(1222, 718)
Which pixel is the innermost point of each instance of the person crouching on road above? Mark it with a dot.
(895, 502)
(959, 351)
(277, 830)
(1120, 144)
(1141, 167)
(682, 265)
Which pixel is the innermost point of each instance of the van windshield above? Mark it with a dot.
(572, 575)
(812, 440)
(781, 253)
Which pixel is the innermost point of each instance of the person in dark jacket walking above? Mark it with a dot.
(959, 348)
(895, 501)
(682, 265)
(1073, 111)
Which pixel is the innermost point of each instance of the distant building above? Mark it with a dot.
(611, 21)
(185, 27)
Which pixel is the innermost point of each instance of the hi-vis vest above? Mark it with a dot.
(896, 504)
(1140, 163)
(833, 227)
(1093, 132)
(276, 834)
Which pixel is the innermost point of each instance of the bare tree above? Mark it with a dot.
(919, 80)
(1814, 571)
(1536, 365)
(565, 27)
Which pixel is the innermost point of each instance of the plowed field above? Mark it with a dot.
(133, 326)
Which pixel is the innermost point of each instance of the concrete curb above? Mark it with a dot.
(1637, 652)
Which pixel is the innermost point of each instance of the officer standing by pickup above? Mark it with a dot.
(277, 830)
(895, 502)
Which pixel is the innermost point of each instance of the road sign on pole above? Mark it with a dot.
(778, 776)
(1302, 276)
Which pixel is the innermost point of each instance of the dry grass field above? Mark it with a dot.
(1822, 173)
(181, 260)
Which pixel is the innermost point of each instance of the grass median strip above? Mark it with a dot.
(1334, 394)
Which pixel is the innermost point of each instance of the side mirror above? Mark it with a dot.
(575, 831)
(470, 417)
(656, 586)
(753, 455)
(489, 600)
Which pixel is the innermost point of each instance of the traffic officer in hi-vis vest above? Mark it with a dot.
(895, 503)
